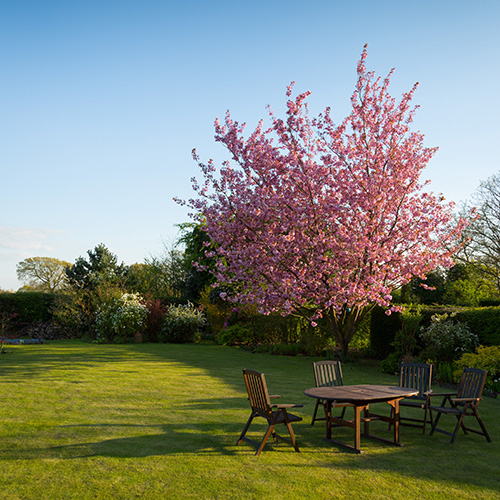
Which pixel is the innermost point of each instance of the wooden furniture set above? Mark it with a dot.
(414, 391)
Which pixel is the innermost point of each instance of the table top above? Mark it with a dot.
(358, 394)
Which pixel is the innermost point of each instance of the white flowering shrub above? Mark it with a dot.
(446, 340)
(183, 324)
(120, 318)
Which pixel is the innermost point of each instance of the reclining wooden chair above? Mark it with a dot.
(416, 376)
(275, 414)
(328, 374)
(464, 403)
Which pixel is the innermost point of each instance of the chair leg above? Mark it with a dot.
(434, 424)
(252, 416)
(265, 438)
(315, 411)
(270, 431)
(425, 418)
(275, 436)
(480, 422)
(290, 431)
(460, 423)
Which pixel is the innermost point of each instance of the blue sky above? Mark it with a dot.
(103, 101)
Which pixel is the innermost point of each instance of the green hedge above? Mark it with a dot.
(383, 330)
(483, 321)
(29, 307)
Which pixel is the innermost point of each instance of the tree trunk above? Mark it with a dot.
(343, 326)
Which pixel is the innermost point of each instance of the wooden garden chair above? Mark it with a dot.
(275, 414)
(328, 374)
(463, 403)
(416, 376)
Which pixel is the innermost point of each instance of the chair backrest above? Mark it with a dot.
(328, 373)
(257, 392)
(472, 383)
(416, 376)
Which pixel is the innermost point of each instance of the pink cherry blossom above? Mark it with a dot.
(325, 220)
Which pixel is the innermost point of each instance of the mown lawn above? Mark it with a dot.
(84, 421)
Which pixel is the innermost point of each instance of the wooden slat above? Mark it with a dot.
(472, 383)
(328, 373)
(416, 376)
(257, 391)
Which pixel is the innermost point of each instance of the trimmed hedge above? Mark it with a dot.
(383, 331)
(483, 321)
(30, 307)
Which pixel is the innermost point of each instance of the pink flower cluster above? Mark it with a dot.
(310, 214)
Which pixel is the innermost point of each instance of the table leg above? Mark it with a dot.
(328, 419)
(366, 416)
(357, 427)
(395, 405)
(354, 424)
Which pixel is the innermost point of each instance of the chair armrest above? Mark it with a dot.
(441, 393)
(284, 406)
(428, 393)
(274, 396)
(465, 400)
(446, 397)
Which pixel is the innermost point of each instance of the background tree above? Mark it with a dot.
(93, 281)
(465, 286)
(44, 274)
(482, 249)
(195, 241)
(429, 290)
(323, 220)
(160, 276)
(461, 285)
(100, 267)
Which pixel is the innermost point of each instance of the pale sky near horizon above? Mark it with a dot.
(103, 101)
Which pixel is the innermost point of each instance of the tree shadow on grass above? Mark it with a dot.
(215, 439)
(36, 362)
(200, 439)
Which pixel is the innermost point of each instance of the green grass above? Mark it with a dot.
(84, 421)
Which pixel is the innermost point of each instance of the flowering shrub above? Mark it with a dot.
(485, 358)
(120, 317)
(154, 319)
(182, 324)
(446, 340)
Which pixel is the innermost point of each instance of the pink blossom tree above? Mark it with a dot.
(324, 221)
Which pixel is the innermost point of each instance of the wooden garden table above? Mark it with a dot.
(360, 397)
